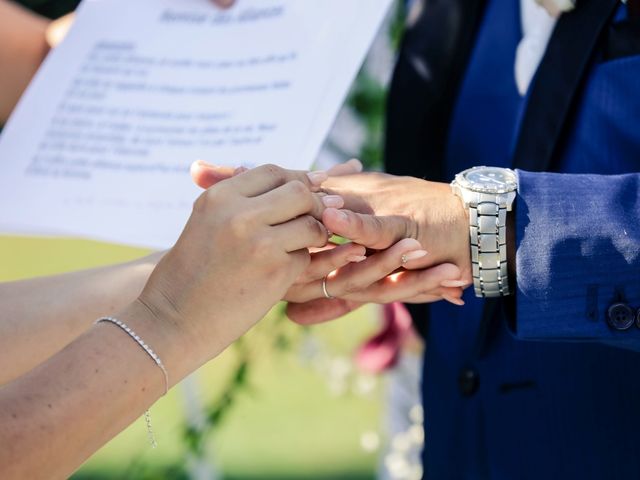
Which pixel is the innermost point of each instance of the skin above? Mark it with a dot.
(23, 46)
(256, 228)
(383, 208)
(41, 316)
(381, 278)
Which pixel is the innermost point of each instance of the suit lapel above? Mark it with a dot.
(557, 81)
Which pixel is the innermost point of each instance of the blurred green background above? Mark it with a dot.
(299, 415)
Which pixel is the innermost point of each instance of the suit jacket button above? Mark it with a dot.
(620, 316)
(468, 382)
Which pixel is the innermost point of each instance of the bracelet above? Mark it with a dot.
(125, 328)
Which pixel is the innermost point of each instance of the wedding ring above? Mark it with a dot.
(324, 289)
(404, 260)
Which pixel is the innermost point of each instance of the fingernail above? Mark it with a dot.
(407, 257)
(455, 301)
(356, 258)
(356, 163)
(318, 177)
(333, 201)
(454, 283)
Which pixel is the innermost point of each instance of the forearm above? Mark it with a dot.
(57, 415)
(23, 46)
(41, 316)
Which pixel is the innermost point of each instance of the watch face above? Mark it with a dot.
(490, 179)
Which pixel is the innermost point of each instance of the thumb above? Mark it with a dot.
(206, 175)
(370, 231)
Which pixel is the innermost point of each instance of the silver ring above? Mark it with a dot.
(324, 289)
(404, 260)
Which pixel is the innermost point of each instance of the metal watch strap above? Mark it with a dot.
(487, 220)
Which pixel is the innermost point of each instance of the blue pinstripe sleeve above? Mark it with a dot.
(578, 251)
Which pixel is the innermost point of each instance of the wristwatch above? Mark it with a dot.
(488, 194)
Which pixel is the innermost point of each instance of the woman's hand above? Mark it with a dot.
(245, 244)
(351, 289)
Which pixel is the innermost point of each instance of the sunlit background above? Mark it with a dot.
(286, 402)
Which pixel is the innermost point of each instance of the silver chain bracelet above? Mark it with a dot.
(124, 327)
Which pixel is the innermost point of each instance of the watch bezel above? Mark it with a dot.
(463, 182)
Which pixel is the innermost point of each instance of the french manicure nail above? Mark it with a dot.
(333, 201)
(454, 283)
(356, 258)
(318, 177)
(455, 301)
(416, 254)
(356, 163)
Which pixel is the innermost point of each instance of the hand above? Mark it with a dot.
(406, 207)
(243, 247)
(420, 286)
(390, 208)
(354, 278)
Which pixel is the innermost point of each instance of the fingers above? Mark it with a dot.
(300, 233)
(347, 168)
(206, 175)
(326, 261)
(368, 230)
(356, 277)
(292, 200)
(262, 179)
(300, 260)
(410, 284)
(320, 310)
(253, 182)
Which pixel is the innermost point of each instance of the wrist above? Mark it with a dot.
(511, 247)
(457, 231)
(487, 194)
(164, 337)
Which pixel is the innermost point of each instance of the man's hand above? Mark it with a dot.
(382, 209)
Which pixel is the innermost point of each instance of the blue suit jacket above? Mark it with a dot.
(543, 385)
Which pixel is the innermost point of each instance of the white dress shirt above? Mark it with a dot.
(537, 26)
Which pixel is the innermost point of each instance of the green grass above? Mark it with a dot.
(287, 425)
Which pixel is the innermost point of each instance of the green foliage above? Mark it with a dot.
(368, 99)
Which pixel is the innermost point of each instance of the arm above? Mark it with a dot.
(23, 46)
(244, 245)
(41, 316)
(576, 244)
